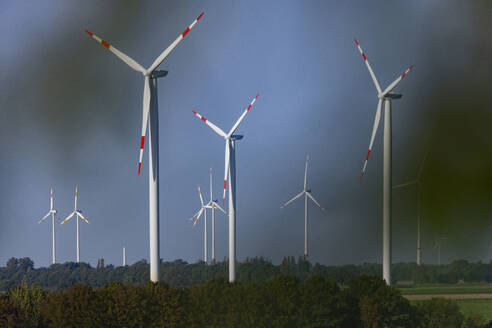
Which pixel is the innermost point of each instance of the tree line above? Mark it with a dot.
(258, 270)
(281, 301)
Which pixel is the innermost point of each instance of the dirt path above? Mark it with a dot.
(452, 296)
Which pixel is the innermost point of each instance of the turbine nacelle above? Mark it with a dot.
(157, 74)
(236, 137)
(391, 95)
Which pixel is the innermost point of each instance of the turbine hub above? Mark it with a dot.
(236, 137)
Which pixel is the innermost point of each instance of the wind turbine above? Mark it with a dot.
(149, 113)
(195, 219)
(77, 213)
(230, 171)
(307, 193)
(437, 245)
(418, 183)
(212, 204)
(52, 212)
(385, 96)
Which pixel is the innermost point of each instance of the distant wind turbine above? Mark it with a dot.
(437, 245)
(196, 217)
(307, 193)
(78, 214)
(418, 184)
(230, 171)
(52, 211)
(385, 96)
(212, 204)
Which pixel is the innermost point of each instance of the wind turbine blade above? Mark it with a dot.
(314, 200)
(68, 218)
(305, 172)
(368, 67)
(200, 193)
(129, 61)
(405, 184)
(218, 206)
(395, 82)
(166, 52)
(210, 185)
(198, 216)
(226, 170)
(44, 217)
(210, 124)
(374, 130)
(195, 214)
(242, 116)
(51, 198)
(83, 218)
(293, 199)
(145, 118)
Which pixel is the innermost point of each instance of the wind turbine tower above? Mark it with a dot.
(149, 113)
(52, 211)
(212, 204)
(384, 96)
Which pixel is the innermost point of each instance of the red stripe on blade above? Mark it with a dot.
(203, 119)
(200, 16)
(368, 153)
(142, 142)
(249, 107)
(185, 32)
(364, 56)
(88, 32)
(194, 112)
(104, 43)
(225, 184)
(139, 166)
(357, 43)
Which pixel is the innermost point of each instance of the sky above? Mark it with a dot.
(70, 114)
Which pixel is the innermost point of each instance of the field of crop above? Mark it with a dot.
(471, 298)
(448, 289)
(482, 307)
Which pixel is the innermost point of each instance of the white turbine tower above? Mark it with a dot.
(385, 96)
(212, 204)
(149, 113)
(230, 171)
(307, 193)
(78, 214)
(418, 184)
(52, 212)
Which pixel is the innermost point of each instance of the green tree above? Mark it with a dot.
(10, 315)
(372, 303)
(439, 312)
(29, 299)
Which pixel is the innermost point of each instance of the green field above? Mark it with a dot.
(447, 289)
(482, 307)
